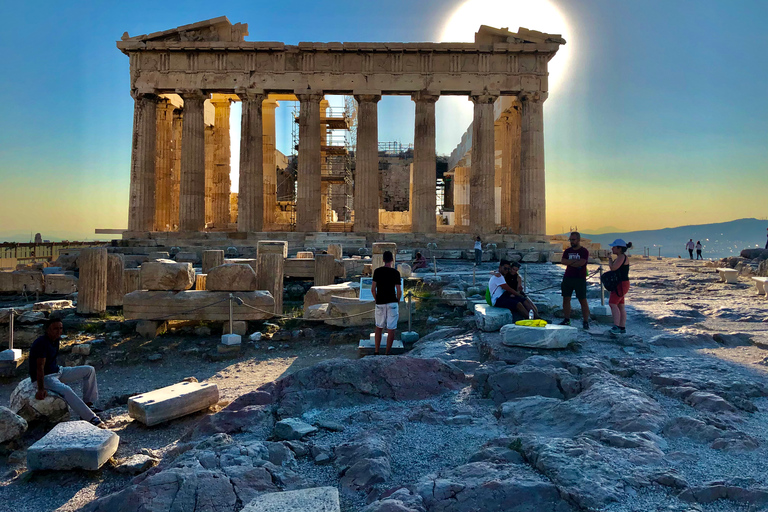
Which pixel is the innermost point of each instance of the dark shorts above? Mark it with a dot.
(574, 284)
(509, 301)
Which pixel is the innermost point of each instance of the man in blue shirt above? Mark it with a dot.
(50, 377)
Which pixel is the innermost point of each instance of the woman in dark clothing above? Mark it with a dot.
(619, 264)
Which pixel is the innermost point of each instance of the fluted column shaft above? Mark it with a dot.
(250, 196)
(221, 182)
(270, 165)
(423, 193)
(176, 172)
(510, 184)
(209, 163)
(481, 179)
(308, 190)
(533, 201)
(141, 204)
(367, 164)
(164, 166)
(192, 195)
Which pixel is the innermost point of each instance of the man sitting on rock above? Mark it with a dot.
(51, 377)
(419, 262)
(513, 280)
(503, 295)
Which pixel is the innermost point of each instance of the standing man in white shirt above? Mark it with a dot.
(690, 246)
(478, 251)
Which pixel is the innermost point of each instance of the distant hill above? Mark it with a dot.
(19, 237)
(719, 240)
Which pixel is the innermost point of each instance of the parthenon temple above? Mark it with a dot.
(184, 81)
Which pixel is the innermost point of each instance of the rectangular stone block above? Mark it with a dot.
(200, 305)
(172, 402)
(6, 282)
(167, 275)
(52, 305)
(72, 445)
(60, 284)
(315, 499)
(323, 294)
(489, 318)
(272, 246)
(547, 337)
(131, 280)
(368, 346)
(29, 281)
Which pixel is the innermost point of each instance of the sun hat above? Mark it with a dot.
(618, 243)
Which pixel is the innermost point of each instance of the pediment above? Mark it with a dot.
(212, 30)
(490, 35)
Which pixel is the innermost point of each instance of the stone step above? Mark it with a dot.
(367, 347)
(315, 499)
(547, 337)
(73, 445)
(172, 402)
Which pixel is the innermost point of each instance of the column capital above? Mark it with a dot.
(425, 96)
(533, 96)
(221, 102)
(250, 94)
(192, 94)
(139, 94)
(483, 98)
(367, 97)
(312, 96)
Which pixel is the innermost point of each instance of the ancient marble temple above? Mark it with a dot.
(184, 81)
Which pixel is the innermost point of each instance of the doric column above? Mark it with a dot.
(270, 165)
(176, 173)
(221, 183)
(533, 202)
(164, 158)
(250, 195)
(367, 164)
(209, 163)
(423, 193)
(141, 205)
(308, 190)
(510, 163)
(192, 195)
(481, 179)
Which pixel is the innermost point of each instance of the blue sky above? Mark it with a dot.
(661, 120)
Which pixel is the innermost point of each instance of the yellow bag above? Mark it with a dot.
(532, 323)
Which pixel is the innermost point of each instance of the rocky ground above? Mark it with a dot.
(670, 417)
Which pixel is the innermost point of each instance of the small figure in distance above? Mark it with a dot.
(478, 251)
(698, 250)
(766, 242)
(386, 291)
(690, 246)
(616, 301)
(575, 259)
(419, 262)
(50, 377)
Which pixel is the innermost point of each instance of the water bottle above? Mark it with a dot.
(530, 314)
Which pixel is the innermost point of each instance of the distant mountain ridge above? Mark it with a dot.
(719, 240)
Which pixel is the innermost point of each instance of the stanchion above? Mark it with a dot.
(10, 359)
(231, 338)
(410, 337)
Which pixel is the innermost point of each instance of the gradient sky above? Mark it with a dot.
(661, 118)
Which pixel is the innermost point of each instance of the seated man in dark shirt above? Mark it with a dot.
(512, 277)
(50, 377)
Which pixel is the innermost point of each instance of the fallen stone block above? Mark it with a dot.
(60, 284)
(159, 255)
(293, 429)
(73, 445)
(11, 425)
(6, 282)
(315, 499)
(52, 305)
(82, 349)
(29, 281)
(454, 297)
(31, 317)
(136, 464)
(172, 402)
(548, 337)
(52, 408)
(187, 257)
(199, 305)
(489, 318)
(163, 275)
(405, 270)
(235, 277)
(150, 329)
(323, 294)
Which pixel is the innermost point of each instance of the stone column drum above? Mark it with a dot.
(141, 206)
(176, 174)
(212, 258)
(325, 269)
(270, 267)
(115, 285)
(250, 196)
(533, 201)
(367, 164)
(270, 165)
(423, 193)
(221, 184)
(92, 285)
(308, 188)
(481, 179)
(209, 164)
(192, 194)
(131, 280)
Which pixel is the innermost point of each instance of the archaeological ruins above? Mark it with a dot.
(184, 81)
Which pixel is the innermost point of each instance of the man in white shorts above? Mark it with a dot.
(386, 291)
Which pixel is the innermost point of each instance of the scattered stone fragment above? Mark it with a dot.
(136, 464)
(11, 425)
(290, 429)
(81, 349)
(72, 445)
(317, 499)
(491, 319)
(23, 402)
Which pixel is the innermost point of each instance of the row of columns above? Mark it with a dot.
(156, 169)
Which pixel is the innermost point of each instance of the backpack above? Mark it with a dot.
(610, 280)
(488, 296)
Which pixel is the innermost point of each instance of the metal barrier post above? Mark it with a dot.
(10, 330)
(474, 274)
(231, 314)
(410, 302)
(602, 290)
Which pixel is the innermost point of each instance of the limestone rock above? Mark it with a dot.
(136, 464)
(251, 412)
(23, 402)
(11, 425)
(682, 340)
(316, 499)
(489, 318)
(293, 429)
(364, 462)
(231, 278)
(454, 297)
(31, 281)
(548, 337)
(31, 317)
(52, 305)
(322, 294)
(163, 275)
(198, 305)
(73, 445)
(525, 380)
(81, 349)
(172, 402)
(60, 284)
(405, 270)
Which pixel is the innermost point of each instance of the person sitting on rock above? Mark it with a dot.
(49, 376)
(419, 262)
(514, 280)
(502, 294)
